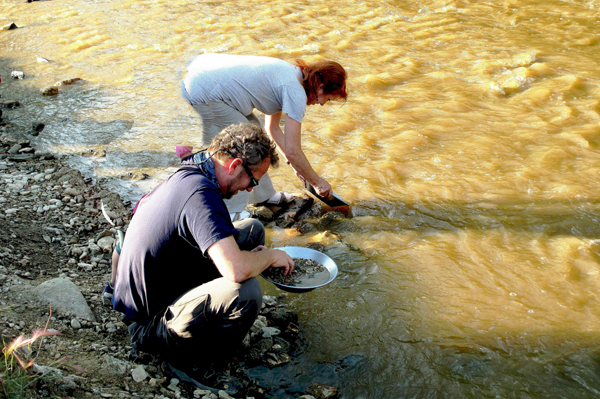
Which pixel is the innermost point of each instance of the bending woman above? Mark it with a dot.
(225, 89)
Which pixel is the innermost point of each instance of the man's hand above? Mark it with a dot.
(238, 266)
(281, 259)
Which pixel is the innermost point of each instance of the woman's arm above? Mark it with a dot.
(273, 130)
(290, 145)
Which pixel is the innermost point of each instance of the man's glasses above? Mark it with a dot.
(253, 181)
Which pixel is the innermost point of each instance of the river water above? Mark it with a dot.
(468, 148)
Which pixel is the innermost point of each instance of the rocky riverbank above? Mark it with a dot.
(55, 247)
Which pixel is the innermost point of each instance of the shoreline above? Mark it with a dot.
(52, 231)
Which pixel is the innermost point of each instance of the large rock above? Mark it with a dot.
(322, 391)
(10, 104)
(281, 317)
(49, 91)
(64, 296)
(10, 26)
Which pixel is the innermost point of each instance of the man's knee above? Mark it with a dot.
(251, 292)
(252, 233)
(246, 296)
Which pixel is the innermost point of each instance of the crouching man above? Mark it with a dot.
(187, 274)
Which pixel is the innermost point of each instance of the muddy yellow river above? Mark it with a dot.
(468, 148)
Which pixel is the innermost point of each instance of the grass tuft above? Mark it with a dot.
(18, 356)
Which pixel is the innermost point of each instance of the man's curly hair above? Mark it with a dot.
(246, 141)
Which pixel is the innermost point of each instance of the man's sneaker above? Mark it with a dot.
(107, 295)
(278, 199)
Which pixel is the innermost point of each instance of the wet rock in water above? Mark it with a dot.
(298, 207)
(270, 342)
(322, 391)
(281, 345)
(67, 82)
(36, 127)
(280, 317)
(10, 104)
(10, 26)
(285, 222)
(134, 175)
(268, 332)
(49, 91)
(331, 217)
(94, 153)
(284, 215)
(277, 359)
(317, 246)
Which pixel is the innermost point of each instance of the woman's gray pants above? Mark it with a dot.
(216, 116)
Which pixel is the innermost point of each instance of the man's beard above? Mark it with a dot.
(228, 193)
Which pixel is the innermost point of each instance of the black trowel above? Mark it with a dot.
(334, 201)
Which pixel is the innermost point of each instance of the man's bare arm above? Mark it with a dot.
(238, 266)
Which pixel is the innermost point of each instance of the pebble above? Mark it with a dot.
(173, 385)
(139, 373)
(75, 324)
(111, 327)
(201, 393)
(270, 332)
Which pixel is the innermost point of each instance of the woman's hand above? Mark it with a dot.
(323, 188)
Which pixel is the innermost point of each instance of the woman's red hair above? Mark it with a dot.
(329, 73)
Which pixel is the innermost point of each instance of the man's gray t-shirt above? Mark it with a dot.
(246, 82)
